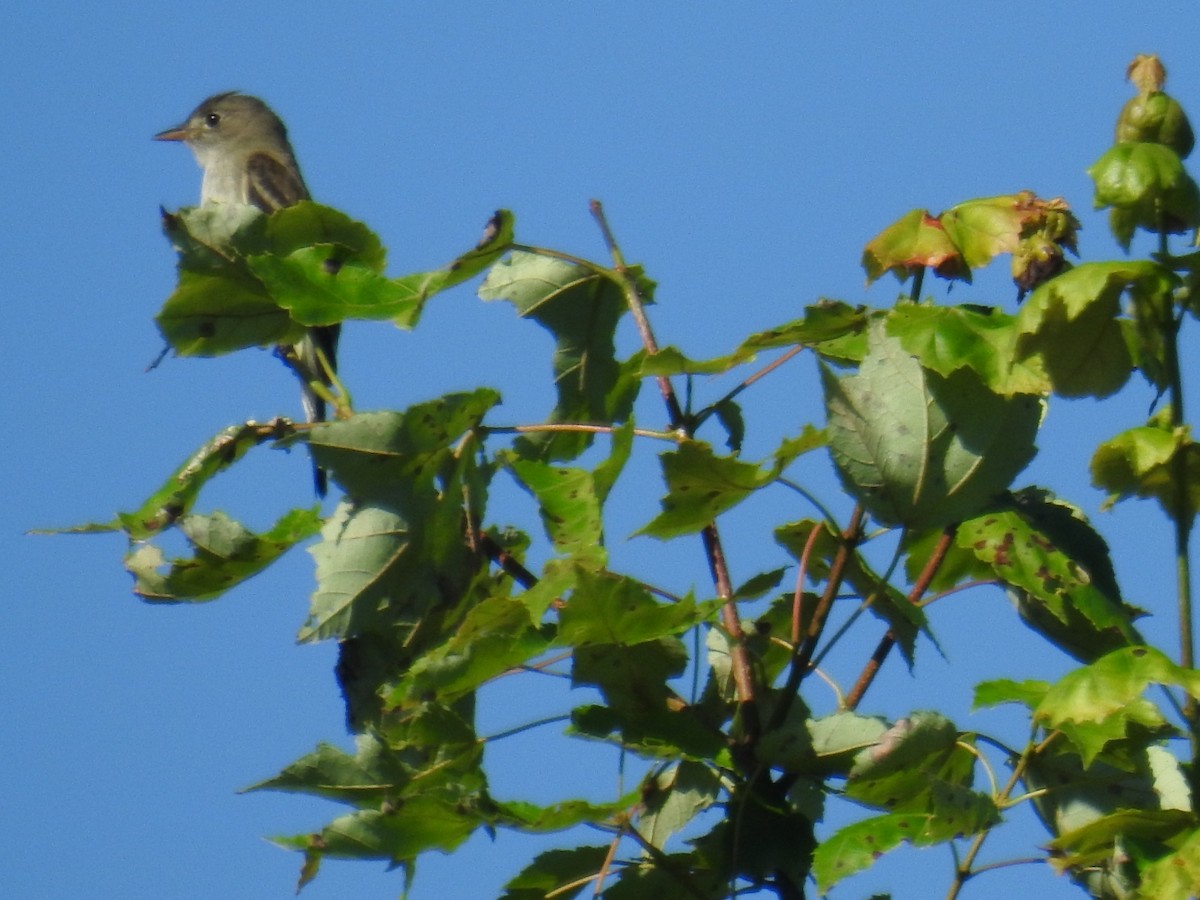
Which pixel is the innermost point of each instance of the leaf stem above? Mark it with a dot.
(1181, 515)
(963, 870)
(873, 665)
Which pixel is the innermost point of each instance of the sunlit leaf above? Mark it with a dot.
(1059, 572)
(1148, 184)
(915, 241)
(948, 338)
(1004, 690)
(1142, 462)
(1175, 876)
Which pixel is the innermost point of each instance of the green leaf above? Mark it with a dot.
(759, 837)
(1004, 690)
(226, 554)
(909, 741)
(729, 414)
(672, 361)
(495, 636)
(701, 486)
(1094, 841)
(580, 307)
(1071, 795)
(674, 797)
(821, 747)
(1141, 462)
(366, 778)
(1148, 184)
(365, 552)
(321, 284)
(1058, 570)
(832, 328)
(612, 609)
(649, 716)
(178, 493)
(397, 835)
(792, 448)
(921, 450)
(570, 500)
(1174, 876)
(858, 846)
(948, 338)
(759, 584)
(529, 817)
(886, 602)
(550, 871)
(395, 455)
(251, 280)
(1104, 688)
(210, 314)
(672, 876)
(1069, 326)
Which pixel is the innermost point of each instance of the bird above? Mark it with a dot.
(243, 148)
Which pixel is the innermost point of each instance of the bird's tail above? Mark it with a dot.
(324, 339)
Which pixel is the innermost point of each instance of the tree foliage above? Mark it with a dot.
(932, 413)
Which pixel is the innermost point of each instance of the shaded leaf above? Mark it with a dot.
(178, 493)
(580, 308)
(672, 798)
(613, 609)
(1070, 327)
(701, 486)
(495, 636)
(921, 450)
(226, 554)
(552, 870)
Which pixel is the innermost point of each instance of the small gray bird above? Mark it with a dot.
(243, 148)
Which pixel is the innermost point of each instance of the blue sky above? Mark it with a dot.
(744, 154)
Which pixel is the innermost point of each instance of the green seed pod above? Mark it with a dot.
(1156, 117)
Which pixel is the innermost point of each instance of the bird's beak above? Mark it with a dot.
(178, 133)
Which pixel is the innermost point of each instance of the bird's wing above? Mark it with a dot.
(272, 184)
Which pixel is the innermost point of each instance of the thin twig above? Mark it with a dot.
(873, 665)
(761, 373)
(798, 597)
(576, 427)
(743, 676)
(804, 649)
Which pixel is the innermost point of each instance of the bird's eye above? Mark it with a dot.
(212, 119)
